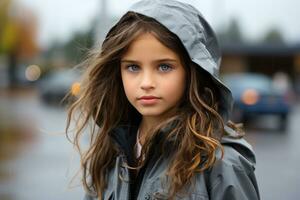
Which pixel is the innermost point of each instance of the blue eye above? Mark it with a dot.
(165, 68)
(133, 68)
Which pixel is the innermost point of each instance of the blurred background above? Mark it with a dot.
(42, 40)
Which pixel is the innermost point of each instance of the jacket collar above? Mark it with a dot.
(124, 136)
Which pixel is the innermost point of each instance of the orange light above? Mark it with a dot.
(75, 88)
(250, 97)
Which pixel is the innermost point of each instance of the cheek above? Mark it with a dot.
(175, 87)
(128, 85)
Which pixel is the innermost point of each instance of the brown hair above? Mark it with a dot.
(103, 103)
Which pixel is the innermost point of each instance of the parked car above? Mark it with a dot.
(56, 85)
(255, 94)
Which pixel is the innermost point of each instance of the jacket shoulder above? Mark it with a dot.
(232, 176)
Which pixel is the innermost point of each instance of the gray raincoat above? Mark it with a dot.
(231, 178)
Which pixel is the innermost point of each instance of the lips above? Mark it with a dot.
(148, 97)
(148, 100)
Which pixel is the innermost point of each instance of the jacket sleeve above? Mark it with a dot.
(233, 178)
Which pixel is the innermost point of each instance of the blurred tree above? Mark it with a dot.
(4, 5)
(5, 27)
(77, 47)
(232, 34)
(17, 36)
(234, 31)
(273, 36)
(8, 36)
(74, 49)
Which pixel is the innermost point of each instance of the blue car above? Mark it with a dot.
(255, 94)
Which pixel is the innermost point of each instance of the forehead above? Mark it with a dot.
(147, 45)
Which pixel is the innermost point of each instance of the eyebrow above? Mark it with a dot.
(155, 61)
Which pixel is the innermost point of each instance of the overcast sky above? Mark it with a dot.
(58, 19)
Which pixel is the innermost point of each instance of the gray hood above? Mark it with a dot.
(196, 35)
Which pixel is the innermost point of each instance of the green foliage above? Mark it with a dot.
(74, 49)
(78, 46)
(232, 34)
(273, 36)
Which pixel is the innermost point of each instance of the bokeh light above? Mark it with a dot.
(75, 89)
(250, 97)
(33, 72)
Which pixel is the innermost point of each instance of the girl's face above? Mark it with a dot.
(153, 76)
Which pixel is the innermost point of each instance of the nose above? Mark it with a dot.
(148, 81)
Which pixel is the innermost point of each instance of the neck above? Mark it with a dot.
(147, 124)
(150, 122)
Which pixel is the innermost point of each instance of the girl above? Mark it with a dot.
(159, 113)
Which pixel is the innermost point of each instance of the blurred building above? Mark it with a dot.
(263, 58)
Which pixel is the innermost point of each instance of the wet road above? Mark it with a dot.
(278, 157)
(44, 163)
(37, 162)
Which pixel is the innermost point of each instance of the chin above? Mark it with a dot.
(150, 112)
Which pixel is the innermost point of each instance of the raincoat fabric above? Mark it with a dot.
(231, 178)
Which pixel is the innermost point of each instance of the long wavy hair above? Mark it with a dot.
(102, 105)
